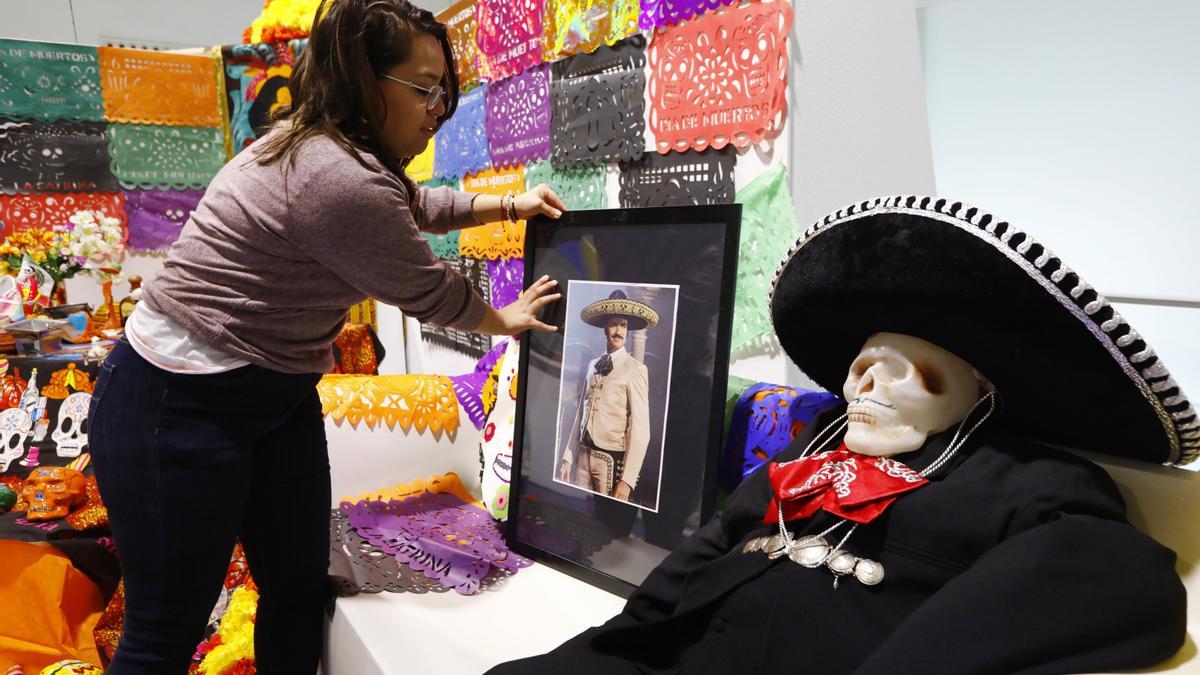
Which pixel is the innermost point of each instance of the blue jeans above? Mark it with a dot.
(186, 465)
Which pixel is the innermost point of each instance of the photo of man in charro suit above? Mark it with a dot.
(608, 437)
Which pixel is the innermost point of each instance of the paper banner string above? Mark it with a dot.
(720, 78)
(173, 158)
(444, 246)
(448, 483)
(45, 211)
(462, 145)
(146, 87)
(469, 387)
(421, 402)
(506, 275)
(156, 217)
(471, 344)
(678, 179)
(420, 168)
(765, 419)
(518, 117)
(599, 107)
(581, 188)
(580, 26)
(453, 542)
(460, 28)
(768, 228)
(256, 83)
(49, 82)
(359, 566)
(57, 157)
(656, 13)
(509, 35)
(500, 239)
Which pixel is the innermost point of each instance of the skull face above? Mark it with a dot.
(14, 428)
(53, 491)
(71, 434)
(497, 447)
(901, 390)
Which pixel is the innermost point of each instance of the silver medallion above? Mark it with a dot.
(809, 551)
(755, 544)
(868, 572)
(841, 562)
(776, 546)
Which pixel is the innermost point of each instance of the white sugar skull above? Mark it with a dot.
(71, 434)
(14, 428)
(901, 390)
(497, 447)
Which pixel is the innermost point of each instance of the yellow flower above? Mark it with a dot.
(293, 14)
(236, 631)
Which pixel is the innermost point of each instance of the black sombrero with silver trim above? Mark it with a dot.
(639, 314)
(1069, 369)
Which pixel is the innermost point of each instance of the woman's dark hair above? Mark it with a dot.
(334, 85)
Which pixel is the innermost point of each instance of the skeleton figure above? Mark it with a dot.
(53, 491)
(14, 428)
(71, 434)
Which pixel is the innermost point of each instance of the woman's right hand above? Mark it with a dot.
(521, 314)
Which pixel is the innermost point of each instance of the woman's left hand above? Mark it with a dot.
(540, 200)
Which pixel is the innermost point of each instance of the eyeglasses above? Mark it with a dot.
(433, 95)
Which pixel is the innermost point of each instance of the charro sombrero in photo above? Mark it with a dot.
(639, 314)
(1068, 368)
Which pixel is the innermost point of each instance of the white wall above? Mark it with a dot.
(1076, 121)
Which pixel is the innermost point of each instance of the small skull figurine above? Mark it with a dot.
(71, 434)
(14, 428)
(53, 491)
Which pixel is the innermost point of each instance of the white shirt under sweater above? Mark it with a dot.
(167, 345)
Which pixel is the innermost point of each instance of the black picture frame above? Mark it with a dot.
(683, 262)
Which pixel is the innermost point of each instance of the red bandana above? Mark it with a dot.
(844, 483)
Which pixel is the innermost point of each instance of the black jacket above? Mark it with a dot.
(1018, 559)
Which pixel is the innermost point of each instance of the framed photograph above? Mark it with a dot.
(619, 413)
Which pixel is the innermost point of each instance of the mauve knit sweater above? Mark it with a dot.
(271, 261)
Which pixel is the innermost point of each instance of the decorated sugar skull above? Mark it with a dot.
(496, 449)
(52, 492)
(72, 667)
(71, 433)
(901, 390)
(14, 429)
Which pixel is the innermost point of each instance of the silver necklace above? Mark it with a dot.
(813, 550)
